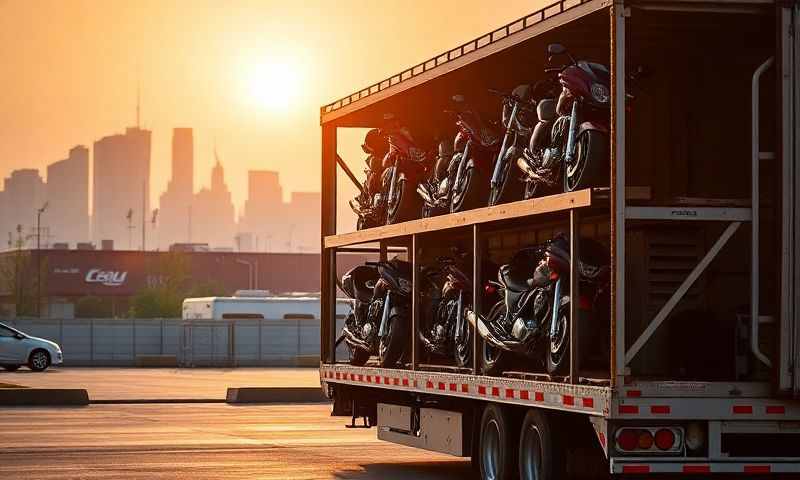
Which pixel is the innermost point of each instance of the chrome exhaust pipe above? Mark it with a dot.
(423, 192)
(480, 326)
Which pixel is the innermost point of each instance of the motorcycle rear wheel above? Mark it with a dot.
(493, 359)
(591, 167)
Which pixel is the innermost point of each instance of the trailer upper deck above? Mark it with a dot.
(353, 110)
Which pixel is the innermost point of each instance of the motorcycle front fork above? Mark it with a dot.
(569, 155)
(554, 325)
(462, 165)
(459, 316)
(385, 315)
(392, 184)
(498, 165)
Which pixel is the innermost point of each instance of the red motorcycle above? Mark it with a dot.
(405, 166)
(575, 153)
(395, 167)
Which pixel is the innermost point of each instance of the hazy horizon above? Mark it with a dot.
(205, 65)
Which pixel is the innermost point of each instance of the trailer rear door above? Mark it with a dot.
(789, 376)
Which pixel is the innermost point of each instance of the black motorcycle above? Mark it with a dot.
(369, 204)
(519, 119)
(457, 182)
(379, 322)
(532, 319)
(570, 149)
(445, 331)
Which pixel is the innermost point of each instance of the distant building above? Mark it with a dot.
(175, 203)
(304, 227)
(113, 277)
(212, 215)
(121, 181)
(264, 211)
(23, 195)
(67, 215)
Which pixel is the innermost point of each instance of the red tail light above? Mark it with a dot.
(665, 439)
(490, 289)
(627, 440)
(645, 440)
(661, 440)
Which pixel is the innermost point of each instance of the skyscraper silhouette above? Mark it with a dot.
(68, 197)
(264, 211)
(173, 225)
(212, 213)
(23, 194)
(121, 181)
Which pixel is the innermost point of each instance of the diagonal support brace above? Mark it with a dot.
(680, 292)
(349, 173)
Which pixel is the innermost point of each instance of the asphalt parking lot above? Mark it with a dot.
(161, 383)
(204, 441)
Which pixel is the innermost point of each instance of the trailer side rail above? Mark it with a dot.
(587, 399)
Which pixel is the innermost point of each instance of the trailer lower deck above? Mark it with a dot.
(734, 415)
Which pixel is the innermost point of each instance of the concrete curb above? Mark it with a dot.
(148, 401)
(276, 395)
(43, 397)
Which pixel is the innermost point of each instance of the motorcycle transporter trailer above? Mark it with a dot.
(701, 218)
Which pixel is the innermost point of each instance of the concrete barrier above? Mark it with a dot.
(151, 361)
(43, 397)
(276, 395)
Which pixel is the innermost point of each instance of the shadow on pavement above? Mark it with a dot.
(417, 470)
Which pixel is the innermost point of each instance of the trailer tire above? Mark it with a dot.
(496, 448)
(540, 454)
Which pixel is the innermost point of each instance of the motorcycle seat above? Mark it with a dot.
(515, 279)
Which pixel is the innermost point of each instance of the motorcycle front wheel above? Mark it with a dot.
(403, 206)
(463, 345)
(468, 195)
(493, 359)
(590, 166)
(507, 190)
(358, 357)
(558, 352)
(427, 210)
(393, 344)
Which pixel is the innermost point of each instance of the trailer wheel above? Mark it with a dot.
(540, 457)
(496, 450)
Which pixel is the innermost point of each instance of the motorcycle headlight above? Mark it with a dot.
(600, 93)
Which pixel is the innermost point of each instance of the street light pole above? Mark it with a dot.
(39, 213)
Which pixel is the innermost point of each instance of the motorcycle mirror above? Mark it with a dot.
(556, 49)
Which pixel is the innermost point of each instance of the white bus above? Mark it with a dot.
(257, 307)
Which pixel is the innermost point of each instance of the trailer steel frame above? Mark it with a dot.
(620, 398)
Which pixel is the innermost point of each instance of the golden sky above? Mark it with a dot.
(70, 68)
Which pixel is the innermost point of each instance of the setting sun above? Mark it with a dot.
(273, 84)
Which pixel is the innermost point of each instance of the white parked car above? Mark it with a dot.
(17, 349)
